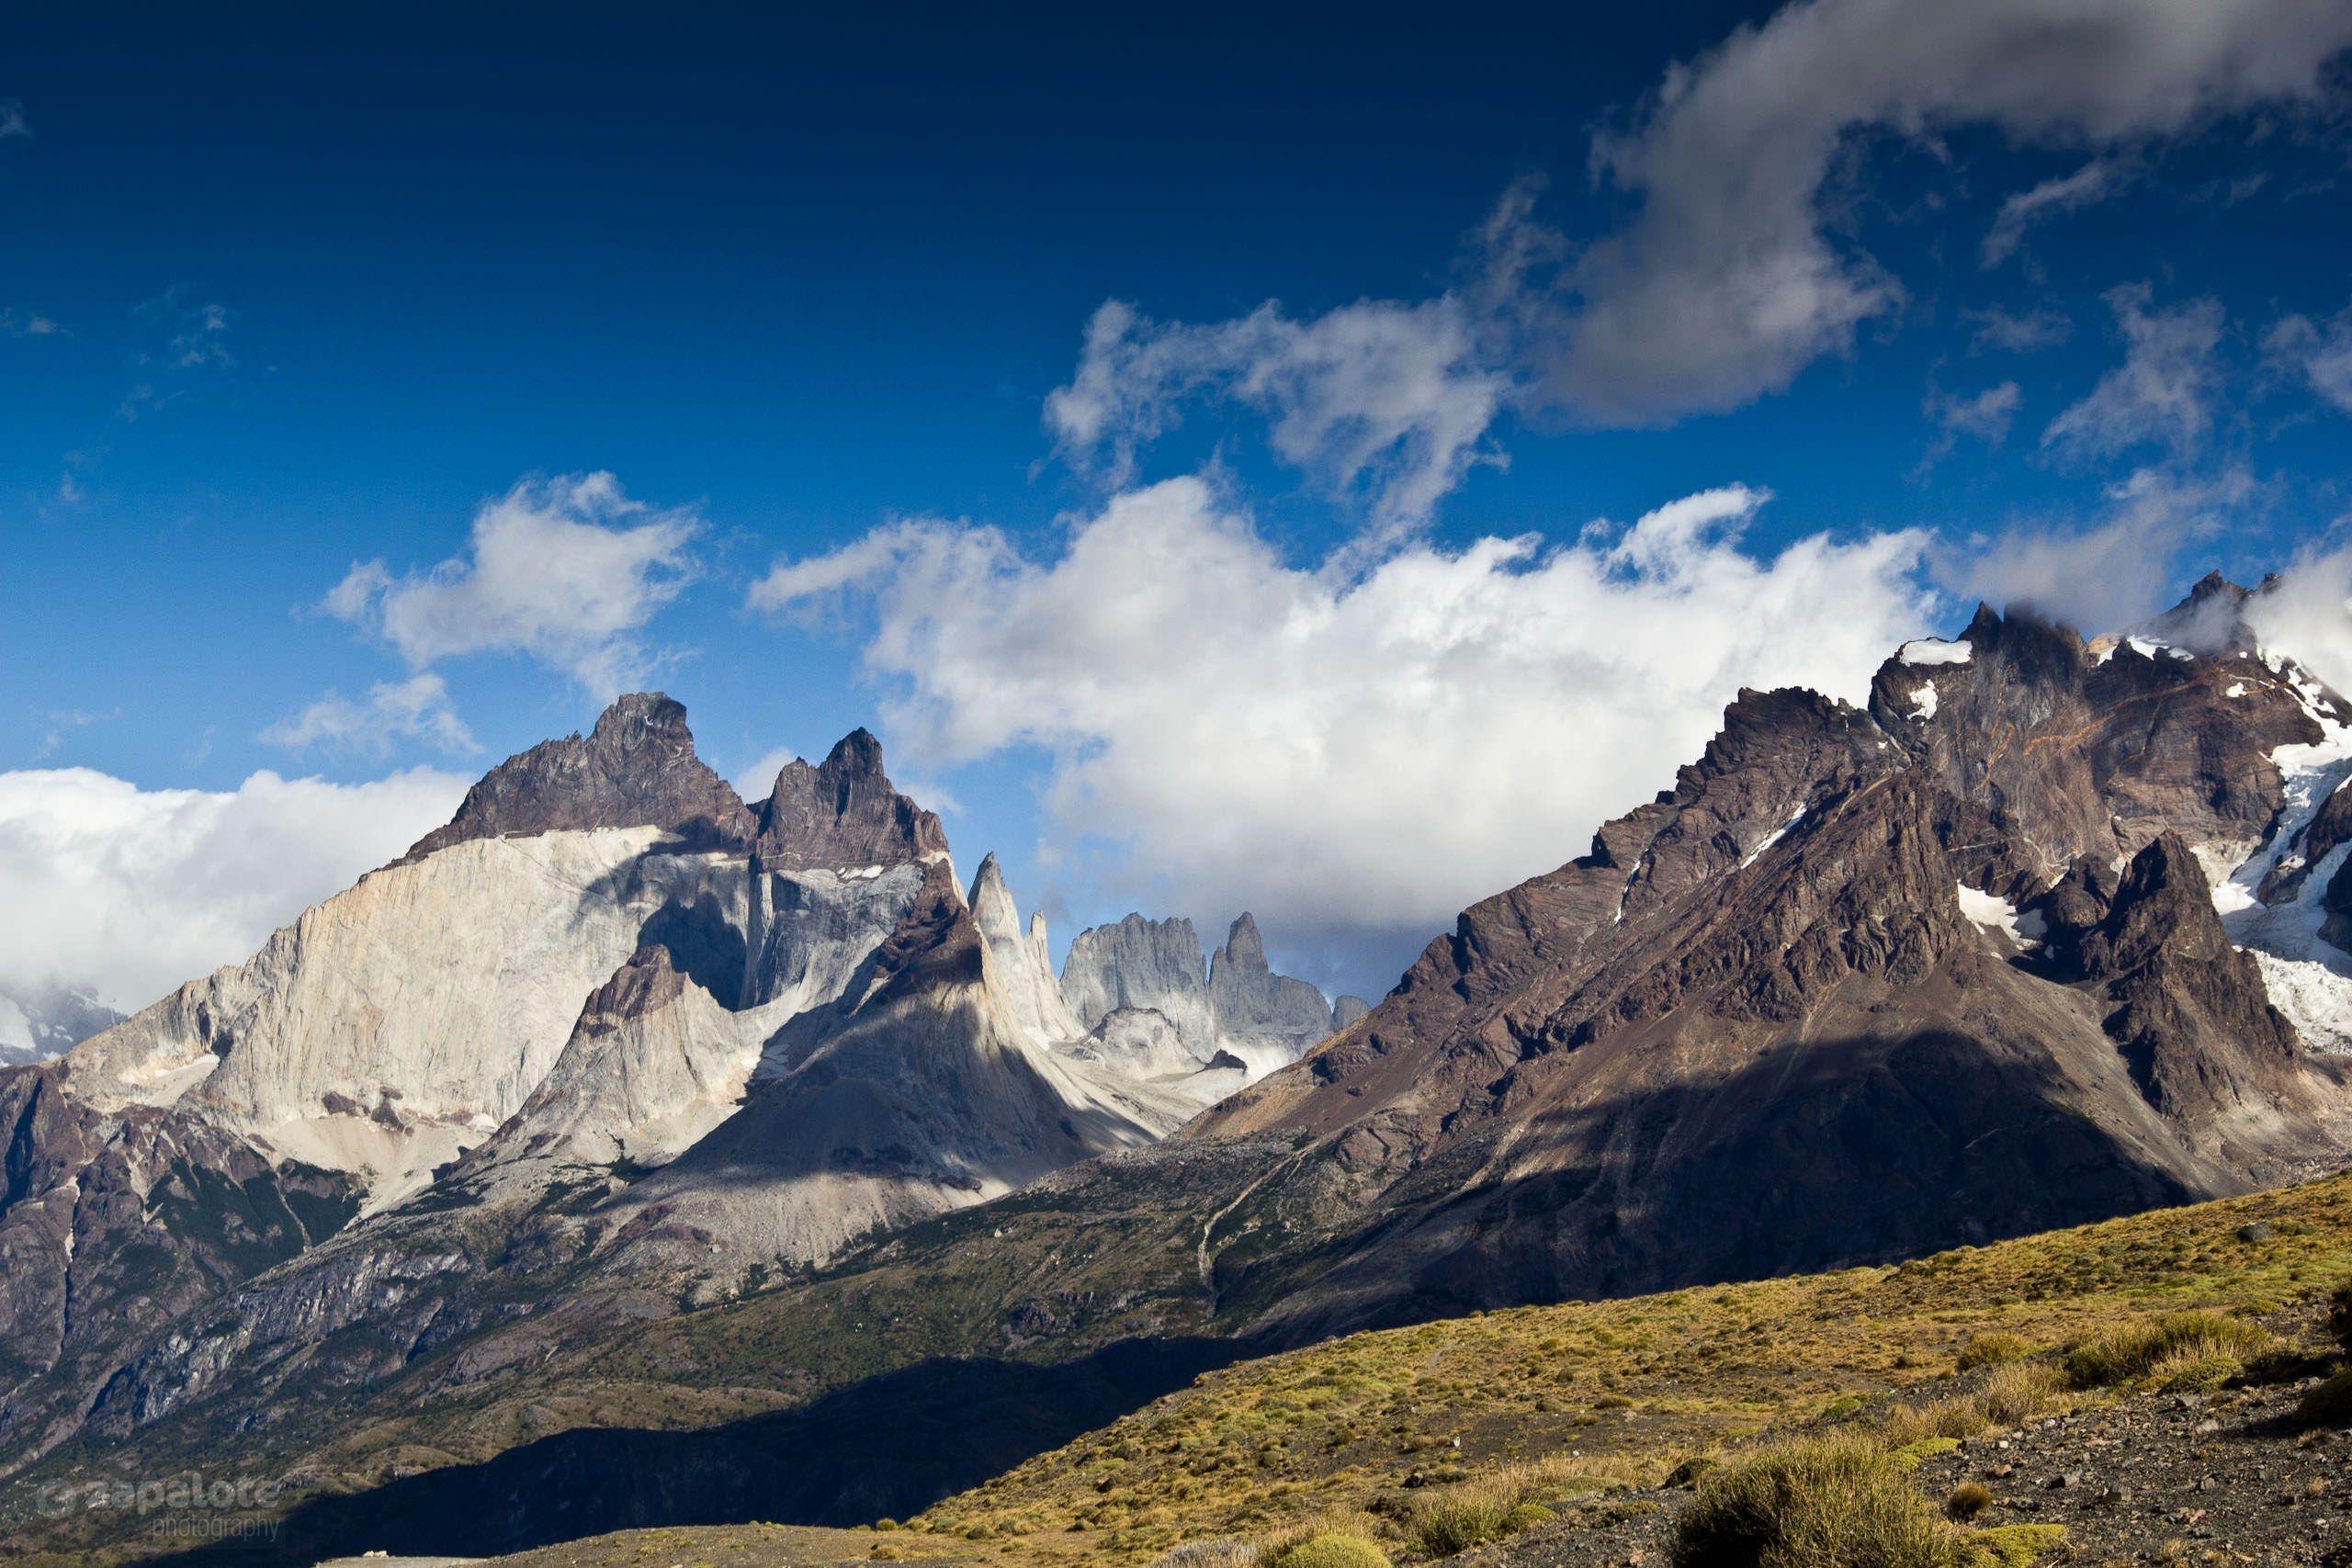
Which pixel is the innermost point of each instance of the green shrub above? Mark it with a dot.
(2010, 1546)
(1992, 1350)
(1331, 1550)
(1835, 1502)
(2177, 1343)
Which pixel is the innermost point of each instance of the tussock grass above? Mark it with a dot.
(1967, 1500)
(2329, 1404)
(1499, 1503)
(2014, 1394)
(2180, 1350)
(1324, 1534)
(1993, 1350)
(1208, 1554)
(1840, 1501)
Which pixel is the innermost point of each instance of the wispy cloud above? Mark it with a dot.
(2093, 183)
(1736, 272)
(1381, 402)
(418, 708)
(2018, 332)
(2318, 353)
(2110, 572)
(64, 721)
(26, 323)
(1985, 417)
(2161, 395)
(190, 336)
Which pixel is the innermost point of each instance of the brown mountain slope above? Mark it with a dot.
(1757, 1029)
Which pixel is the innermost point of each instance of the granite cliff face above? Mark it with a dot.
(1116, 974)
(1140, 964)
(604, 965)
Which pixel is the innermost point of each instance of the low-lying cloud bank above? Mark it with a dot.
(131, 891)
(1354, 755)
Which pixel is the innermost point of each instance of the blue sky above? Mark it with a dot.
(290, 293)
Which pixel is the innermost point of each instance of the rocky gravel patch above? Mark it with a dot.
(2230, 1478)
(2222, 1478)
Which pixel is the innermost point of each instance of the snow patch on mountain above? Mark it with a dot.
(1994, 913)
(1936, 650)
(2308, 978)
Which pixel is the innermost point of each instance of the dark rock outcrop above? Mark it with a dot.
(842, 814)
(2190, 1013)
(636, 769)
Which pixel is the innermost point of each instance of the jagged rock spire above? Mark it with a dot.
(843, 814)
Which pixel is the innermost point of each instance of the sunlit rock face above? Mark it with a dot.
(1231, 1003)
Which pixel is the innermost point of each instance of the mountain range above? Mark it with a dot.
(620, 1100)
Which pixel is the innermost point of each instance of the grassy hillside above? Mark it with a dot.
(1585, 1397)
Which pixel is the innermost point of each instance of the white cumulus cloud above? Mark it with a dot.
(1353, 754)
(567, 570)
(2307, 612)
(131, 891)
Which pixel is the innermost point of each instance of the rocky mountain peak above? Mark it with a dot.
(1244, 949)
(1259, 1012)
(636, 768)
(2192, 1019)
(2211, 620)
(843, 814)
(642, 719)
